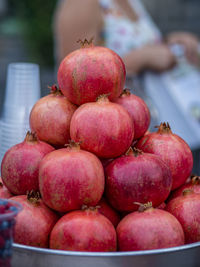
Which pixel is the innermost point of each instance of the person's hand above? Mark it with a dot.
(189, 41)
(158, 57)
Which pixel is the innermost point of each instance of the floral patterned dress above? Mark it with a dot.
(121, 34)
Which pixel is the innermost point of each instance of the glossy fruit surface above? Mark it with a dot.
(91, 71)
(137, 177)
(172, 149)
(150, 229)
(103, 128)
(20, 164)
(84, 231)
(34, 223)
(50, 118)
(71, 177)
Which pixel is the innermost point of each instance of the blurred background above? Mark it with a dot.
(26, 31)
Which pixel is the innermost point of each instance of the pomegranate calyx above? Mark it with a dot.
(134, 152)
(195, 180)
(90, 208)
(31, 137)
(187, 192)
(164, 128)
(144, 207)
(103, 98)
(33, 197)
(1, 184)
(85, 43)
(73, 145)
(55, 90)
(126, 92)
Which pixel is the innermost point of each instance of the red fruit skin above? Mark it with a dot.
(4, 192)
(173, 150)
(70, 178)
(186, 209)
(138, 111)
(162, 206)
(34, 223)
(142, 178)
(151, 229)
(106, 210)
(84, 231)
(189, 186)
(20, 166)
(89, 72)
(103, 128)
(50, 119)
(105, 162)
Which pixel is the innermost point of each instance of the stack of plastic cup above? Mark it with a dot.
(8, 211)
(22, 91)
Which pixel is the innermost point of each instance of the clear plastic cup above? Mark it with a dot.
(8, 210)
(22, 91)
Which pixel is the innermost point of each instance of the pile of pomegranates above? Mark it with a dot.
(90, 176)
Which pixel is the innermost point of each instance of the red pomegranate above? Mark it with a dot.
(138, 111)
(137, 177)
(186, 209)
(103, 128)
(149, 229)
(35, 222)
(71, 177)
(162, 206)
(20, 164)
(50, 118)
(91, 71)
(4, 192)
(193, 183)
(105, 209)
(172, 149)
(85, 230)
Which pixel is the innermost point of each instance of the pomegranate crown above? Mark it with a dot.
(54, 89)
(72, 144)
(90, 208)
(31, 137)
(33, 197)
(126, 92)
(195, 179)
(133, 151)
(143, 207)
(85, 43)
(164, 128)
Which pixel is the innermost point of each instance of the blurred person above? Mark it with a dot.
(123, 26)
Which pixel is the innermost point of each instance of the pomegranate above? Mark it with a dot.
(35, 222)
(4, 192)
(193, 183)
(162, 206)
(137, 177)
(103, 128)
(105, 209)
(91, 71)
(138, 111)
(172, 149)
(186, 209)
(85, 230)
(20, 164)
(71, 177)
(149, 228)
(50, 118)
